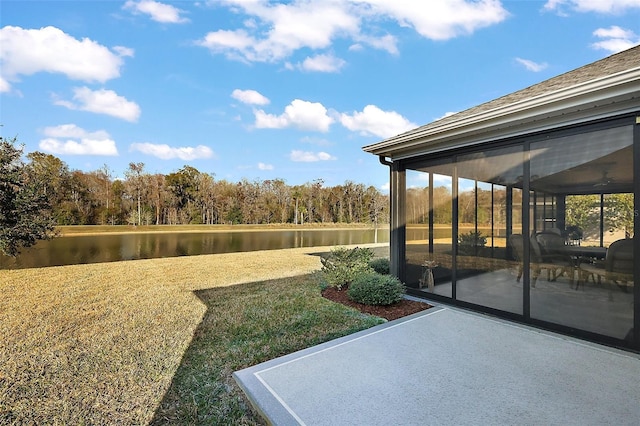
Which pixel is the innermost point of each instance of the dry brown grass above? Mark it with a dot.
(100, 343)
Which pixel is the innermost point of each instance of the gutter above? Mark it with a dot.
(384, 161)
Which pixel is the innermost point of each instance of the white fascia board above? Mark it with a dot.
(527, 115)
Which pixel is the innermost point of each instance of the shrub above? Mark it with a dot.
(472, 238)
(469, 242)
(375, 289)
(343, 265)
(380, 265)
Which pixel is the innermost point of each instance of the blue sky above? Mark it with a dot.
(262, 89)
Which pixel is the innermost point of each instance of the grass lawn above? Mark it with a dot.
(155, 341)
(245, 325)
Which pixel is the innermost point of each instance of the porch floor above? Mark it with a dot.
(598, 308)
(448, 366)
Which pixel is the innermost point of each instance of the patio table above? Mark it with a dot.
(582, 252)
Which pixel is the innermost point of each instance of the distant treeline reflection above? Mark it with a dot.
(114, 247)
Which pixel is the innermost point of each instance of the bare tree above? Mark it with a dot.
(135, 179)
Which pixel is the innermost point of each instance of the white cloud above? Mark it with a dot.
(102, 102)
(124, 51)
(303, 115)
(441, 20)
(422, 177)
(69, 139)
(441, 180)
(310, 157)
(385, 187)
(532, 66)
(322, 63)
(616, 39)
(4, 86)
(598, 6)
(249, 97)
(232, 43)
(263, 166)
(374, 121)
(446, 114)
(614, 32)
(287, 28)
(275, 31)
(65, 131)
(316, 141)
(166, 152)
(29, 51)
(387, 42)
(614, 45)
(158, 12)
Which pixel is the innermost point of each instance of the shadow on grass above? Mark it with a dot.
(245, 325)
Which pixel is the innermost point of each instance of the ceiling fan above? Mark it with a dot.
(605, 180)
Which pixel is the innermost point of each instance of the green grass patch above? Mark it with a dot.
(243, 326)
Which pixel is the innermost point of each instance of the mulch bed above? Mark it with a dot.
(390, 312)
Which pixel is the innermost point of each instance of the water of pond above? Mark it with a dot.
(110, 248)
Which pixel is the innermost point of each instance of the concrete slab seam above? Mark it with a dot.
(353, 340)
(278, 398)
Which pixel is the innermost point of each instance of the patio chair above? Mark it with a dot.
(516, 241)
(550, 241)
(554, 230)
(617, 267)
(517, 246)
(552, 252)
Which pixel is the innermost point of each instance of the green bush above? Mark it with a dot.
(468, 243)
(343, 265)
(375, 289)
(380, 265)
(473, 239)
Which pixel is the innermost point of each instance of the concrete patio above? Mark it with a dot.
(448, 366)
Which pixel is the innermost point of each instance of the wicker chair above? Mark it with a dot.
(516, 241)
(552, 252)
(617, 267)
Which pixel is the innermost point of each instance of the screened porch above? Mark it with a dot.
(524, 228)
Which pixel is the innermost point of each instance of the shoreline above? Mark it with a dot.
(88, 230)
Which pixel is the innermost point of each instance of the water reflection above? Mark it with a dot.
(110, 248)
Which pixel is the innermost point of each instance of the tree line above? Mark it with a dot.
(478, 205)
(489, 206)
(188, 196)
